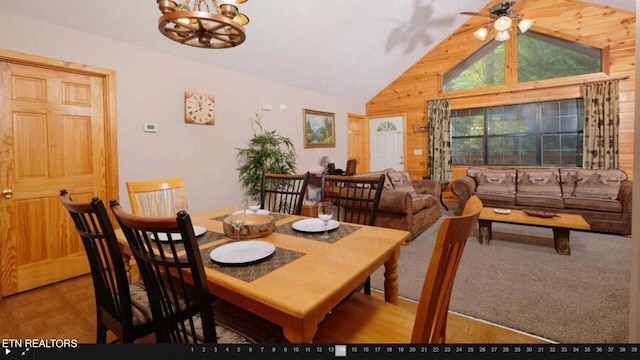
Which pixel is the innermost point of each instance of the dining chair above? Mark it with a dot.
(365, 319)
(174, 275)
(284, 193)
(350, 169)
(159, 197)
(355, 200)
(121, 307)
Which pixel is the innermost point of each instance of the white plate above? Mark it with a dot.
(199, 230)
(249, 212)
(314, 225)
(242, 252)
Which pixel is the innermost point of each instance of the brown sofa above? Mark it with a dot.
(602, 197)
(406, 204)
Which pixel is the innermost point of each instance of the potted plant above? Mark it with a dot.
(267, 152)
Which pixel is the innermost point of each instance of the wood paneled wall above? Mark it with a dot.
(603, 27)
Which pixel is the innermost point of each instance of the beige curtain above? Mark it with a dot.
(601, 123)
(438, 118)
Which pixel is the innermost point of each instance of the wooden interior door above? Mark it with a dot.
(56, 133)
(358, 141)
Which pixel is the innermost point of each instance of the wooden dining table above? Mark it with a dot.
(306, 277)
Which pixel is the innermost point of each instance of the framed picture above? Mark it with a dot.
(319, 129)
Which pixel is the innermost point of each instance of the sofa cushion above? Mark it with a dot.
(537, 201)
(599, 184)
(593, 204)
(501, 182)
(401, 182)
(422, 201)
(387, 181)
(539, 182)
(497, 200)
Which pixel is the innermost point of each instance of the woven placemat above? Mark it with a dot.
(276, 216)
(251, 272)
(334, 235)
(206, 238)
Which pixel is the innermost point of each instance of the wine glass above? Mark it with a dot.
(179, 204)
(325, 213)
(253, 203)
(237, 219)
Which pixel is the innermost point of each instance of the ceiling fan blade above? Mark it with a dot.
(476, 14)
(468, 28)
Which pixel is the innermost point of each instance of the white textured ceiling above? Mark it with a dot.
(345, 48)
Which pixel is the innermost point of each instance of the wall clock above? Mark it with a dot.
(199, 108)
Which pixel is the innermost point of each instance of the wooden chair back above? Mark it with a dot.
(431, 315)
(355, 199)
(162, 259)
(350, 169)
(283, 193)
(161, 197)
(110, 281)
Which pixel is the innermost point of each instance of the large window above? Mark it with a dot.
(545, 57)
(538, 57)
(484, 68)
(545, 133)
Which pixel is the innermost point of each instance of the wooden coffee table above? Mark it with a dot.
(561, 225)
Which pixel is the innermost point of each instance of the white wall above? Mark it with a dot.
(150, 89)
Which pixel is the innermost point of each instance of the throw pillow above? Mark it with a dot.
(599, 184)
(401, 182)
(545, 182)
(568, 180)
(387, 181)
(496, 181)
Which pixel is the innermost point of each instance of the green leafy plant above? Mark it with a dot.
(267, 152)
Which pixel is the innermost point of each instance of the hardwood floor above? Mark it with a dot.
(66, 310)
(465, 330)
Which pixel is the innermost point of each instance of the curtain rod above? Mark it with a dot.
(461, 96)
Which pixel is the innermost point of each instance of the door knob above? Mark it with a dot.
(7, 193)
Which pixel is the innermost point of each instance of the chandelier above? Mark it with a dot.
(505, 17)
(214, 24)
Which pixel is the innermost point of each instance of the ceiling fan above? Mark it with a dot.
(503, 16)
(505, 8)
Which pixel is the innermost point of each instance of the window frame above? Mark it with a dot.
(538, 133)
(511, 73)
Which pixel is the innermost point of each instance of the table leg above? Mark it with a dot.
(484, 231)
(561, 240)
(391, 277)
(127, 266)
(300, 333)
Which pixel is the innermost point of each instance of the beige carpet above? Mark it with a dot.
(520, 282)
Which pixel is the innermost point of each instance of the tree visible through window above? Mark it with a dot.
(538, 56)
(544, 57)
(546, 133)
(484, 68)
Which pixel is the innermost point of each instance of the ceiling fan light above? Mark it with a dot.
(502, 23)
(525, 24)
(481, 33)
(502, 36)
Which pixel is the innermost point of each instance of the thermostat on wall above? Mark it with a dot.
(150, 128)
